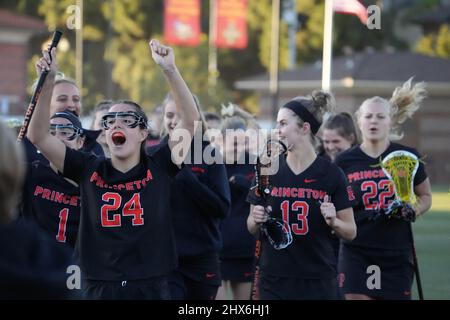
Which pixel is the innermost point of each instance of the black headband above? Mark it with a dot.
(69, 116)
(299, 109)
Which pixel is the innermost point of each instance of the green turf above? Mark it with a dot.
(432, 238)
(441, 188)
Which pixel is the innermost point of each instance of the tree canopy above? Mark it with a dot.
(117, 62)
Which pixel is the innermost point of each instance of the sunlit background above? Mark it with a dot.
(258, 54)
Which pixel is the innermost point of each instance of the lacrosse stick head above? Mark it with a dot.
(278, 233)
(401, 167)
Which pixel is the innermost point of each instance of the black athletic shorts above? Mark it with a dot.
(183, 287)
(237, 269)
(358, 268)
(196, 278)
(156, 288)
(284, 288)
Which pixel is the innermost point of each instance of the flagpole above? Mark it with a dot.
(327, 46)
(212, 54)
(275, 57)
(109, 63)
(79, 49)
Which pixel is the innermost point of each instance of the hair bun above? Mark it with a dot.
(323, 101)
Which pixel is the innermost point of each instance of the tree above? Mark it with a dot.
(116, 35)
(117, 62)
(436, 44)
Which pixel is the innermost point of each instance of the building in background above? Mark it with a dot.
(15, 34)
(363, 75)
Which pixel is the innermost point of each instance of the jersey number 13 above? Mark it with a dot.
(302, 208)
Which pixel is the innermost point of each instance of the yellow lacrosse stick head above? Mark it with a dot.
(401, 167)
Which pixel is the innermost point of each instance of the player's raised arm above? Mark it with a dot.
(184, 101)
(38, 131)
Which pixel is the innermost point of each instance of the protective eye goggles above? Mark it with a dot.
(130, 119)
(278, 233)
(66, 132)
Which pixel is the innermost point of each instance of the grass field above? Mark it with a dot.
(432, 238)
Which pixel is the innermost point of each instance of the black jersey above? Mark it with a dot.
(200, 200)
(237, 240)
(33, 154)
(372, 190)
(296, 200)
(52, 202)
(125, 228)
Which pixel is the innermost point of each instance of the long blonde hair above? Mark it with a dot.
(405, 101)
(11, 173)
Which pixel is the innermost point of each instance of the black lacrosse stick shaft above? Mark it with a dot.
(416, 263)
(262, 182)
(37, 92)
(264, 189)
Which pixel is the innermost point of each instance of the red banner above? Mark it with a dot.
(231, 24)
(182, 22)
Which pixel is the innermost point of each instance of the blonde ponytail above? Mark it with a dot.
(405, 101)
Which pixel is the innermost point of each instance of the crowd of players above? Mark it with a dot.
(143, 222)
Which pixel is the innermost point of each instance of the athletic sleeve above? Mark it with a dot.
(342, 197)
(75, 163)
(93, 147)
(31, 152)
(214, 198)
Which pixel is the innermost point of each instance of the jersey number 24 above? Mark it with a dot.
(131, 208)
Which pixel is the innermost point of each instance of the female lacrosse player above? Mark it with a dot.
(200, 199)
(48, 198)
(238, 244)
(381, 242)
(125, 243)
(32, 266)
(65, 97)
(338, 134)
(310, 195)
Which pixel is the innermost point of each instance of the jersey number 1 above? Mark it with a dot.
(63, 216)
(131, 208)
